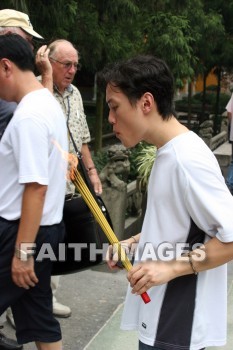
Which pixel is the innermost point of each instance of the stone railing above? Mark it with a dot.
(220, 146)
(135, 209)
(124, 201)
(219, 143)
(218, 140)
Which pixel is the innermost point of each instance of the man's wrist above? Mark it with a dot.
(92, 170)
(90, 167)
(134, 239)
(24, 253)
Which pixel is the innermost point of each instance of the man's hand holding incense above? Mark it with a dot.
(147, 274)
(113, 257)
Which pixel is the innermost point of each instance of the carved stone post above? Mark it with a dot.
(206, 131)
(114, 180)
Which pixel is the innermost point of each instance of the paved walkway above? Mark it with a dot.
(96, 298)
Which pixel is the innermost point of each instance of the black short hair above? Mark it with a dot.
(18, 50)
(140, 74)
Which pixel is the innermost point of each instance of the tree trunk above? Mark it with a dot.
(202, 118)
(189, 104)
(217, 118)
(99, 122)
(219, 70)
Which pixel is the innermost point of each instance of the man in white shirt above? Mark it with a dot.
(14, 22)
(33, 173)
(189, 210)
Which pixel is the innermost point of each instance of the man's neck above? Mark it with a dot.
(27, 83)
(164, 131)
(60, 91)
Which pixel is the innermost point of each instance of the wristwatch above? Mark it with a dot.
(22, 255)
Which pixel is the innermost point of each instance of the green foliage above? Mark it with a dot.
(192, 36)
(168, 37)
(106, 34)
(19, 5)
(141, 161)
(210, 100)
(52, 19)
(133, 164)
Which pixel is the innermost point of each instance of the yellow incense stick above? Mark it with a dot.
(102, 221)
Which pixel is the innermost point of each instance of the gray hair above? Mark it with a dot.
(4, 30)
(54, 46)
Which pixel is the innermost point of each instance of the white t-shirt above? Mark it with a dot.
(229, 109)
(30, 151)
(186, 191)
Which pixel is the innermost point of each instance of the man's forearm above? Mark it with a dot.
(32, 208)
(87, 158)
(211, 255)
(216, 253)
(47, 81)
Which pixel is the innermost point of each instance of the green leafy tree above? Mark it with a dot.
(192, 36)
(53, 19)
(104, 33)
(168, 37)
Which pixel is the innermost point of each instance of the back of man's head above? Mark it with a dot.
(17, 50)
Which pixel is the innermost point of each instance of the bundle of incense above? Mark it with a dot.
(81, 186)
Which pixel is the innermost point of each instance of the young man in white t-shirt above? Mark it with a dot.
(187, 234)
(32, 177)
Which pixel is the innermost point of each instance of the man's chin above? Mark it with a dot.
(67, 83)
(127, 143)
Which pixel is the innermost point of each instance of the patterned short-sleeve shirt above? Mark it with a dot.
(72, 106)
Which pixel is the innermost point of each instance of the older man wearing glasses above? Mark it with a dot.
(64, 59)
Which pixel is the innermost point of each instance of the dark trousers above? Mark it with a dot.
(32, 308)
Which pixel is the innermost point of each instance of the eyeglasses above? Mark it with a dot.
(67, 65)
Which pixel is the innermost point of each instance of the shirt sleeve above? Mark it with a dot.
(208, 200)
(29, 139)
(229, 106)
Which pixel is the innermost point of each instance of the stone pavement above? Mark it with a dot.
(96, 298)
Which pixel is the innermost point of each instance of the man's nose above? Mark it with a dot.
(111, 118)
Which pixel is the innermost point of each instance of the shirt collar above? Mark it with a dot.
(69, 89)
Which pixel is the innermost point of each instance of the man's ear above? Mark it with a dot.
(5, 66)
(147, 102)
